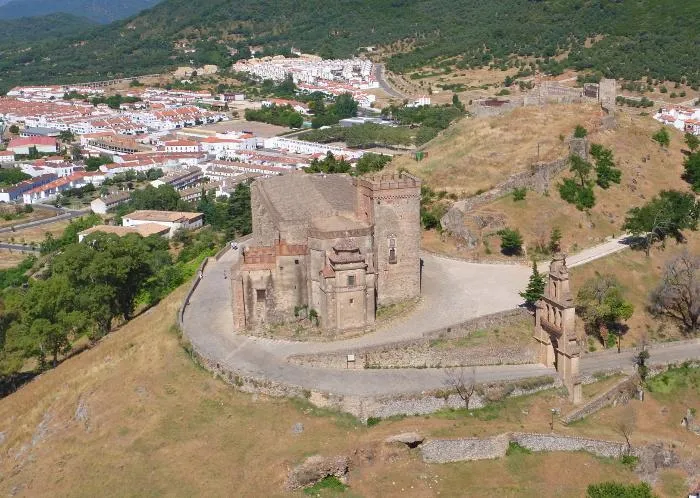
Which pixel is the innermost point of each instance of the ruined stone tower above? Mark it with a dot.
(391, 204)
(555, 321)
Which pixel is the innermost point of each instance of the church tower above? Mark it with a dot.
(391, 203)
(555, 322)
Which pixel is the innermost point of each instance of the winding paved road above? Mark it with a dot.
(386, 86)
(453, 291)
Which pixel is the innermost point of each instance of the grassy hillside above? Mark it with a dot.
(476, 154)
(462, 34)
(19, 32)
(134, 416)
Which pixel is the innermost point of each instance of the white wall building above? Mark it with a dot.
(175, 220)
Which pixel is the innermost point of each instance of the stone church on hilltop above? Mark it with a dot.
(335, 244)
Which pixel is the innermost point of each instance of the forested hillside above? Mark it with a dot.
(23, 31)
(103, 11)
(633, 39)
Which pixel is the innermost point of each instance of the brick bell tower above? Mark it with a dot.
(555, 322)
(391, 203)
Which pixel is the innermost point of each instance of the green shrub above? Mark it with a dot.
(515, 449)
(511, 241)
(519, 194)
(580, 132)
(330, 483)
(617, 490)
(372, 421)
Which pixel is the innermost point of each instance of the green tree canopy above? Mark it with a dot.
(511, 241)
(602, 305)
(535, 287)
(665, 215)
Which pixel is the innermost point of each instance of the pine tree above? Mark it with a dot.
(535, 287)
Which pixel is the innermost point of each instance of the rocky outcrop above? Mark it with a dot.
(316, 468)
(410, 439)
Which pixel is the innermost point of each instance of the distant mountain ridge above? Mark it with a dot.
(102, 11)
(633, 40)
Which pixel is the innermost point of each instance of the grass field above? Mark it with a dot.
(34, 234)
(10, 259)
(37, 214)
(134, 416)
(476, 154)
(639, 275)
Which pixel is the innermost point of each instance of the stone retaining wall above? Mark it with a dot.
(458, 450)
(418, 353)
(537, 177)
(553, 442)
(622, 391)
(470, 449)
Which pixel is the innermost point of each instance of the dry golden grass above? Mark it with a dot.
(477, 154)
(37, 214)
(9, 259)
(639, 275)
(155, 424)
(34, 234)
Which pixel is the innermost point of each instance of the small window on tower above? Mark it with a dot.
(351, 280)
(352, 301)
(260, 295)
(392, 256)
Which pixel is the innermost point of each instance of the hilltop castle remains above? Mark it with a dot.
(332, 246)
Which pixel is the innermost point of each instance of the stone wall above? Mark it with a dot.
(537, 177)
(554, 442)
(418, 353)
(621, 392)
(469, 449)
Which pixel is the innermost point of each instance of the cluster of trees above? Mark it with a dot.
(436, 117)
(81, 289)
(327, 115)
(368, 163)
(114, 101)
(134, 176)
(93, 163)
(643, 102)
(12, 176)
(691, 164)
(329, 164)
(231, 215)
(370, 135)
(85, 288)
(579, 190)
(277, 115)
(465, 35)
